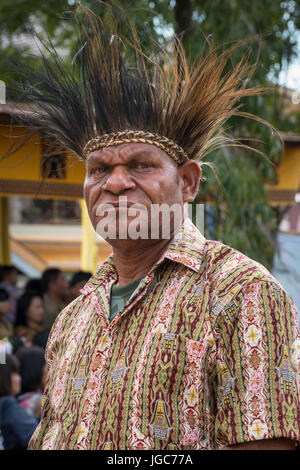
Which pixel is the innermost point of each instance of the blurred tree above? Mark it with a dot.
(242, 215)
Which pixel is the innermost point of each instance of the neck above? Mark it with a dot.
(33, 324)
(135, 260)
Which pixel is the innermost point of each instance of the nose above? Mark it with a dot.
(118, 181)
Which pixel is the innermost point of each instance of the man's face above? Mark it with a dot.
(60, 286)
(141, 173)
(75, 290)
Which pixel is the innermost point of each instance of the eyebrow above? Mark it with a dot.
(139, 154)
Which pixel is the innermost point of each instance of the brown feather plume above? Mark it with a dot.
(114, 86)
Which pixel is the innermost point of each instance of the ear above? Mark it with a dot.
(189, 174)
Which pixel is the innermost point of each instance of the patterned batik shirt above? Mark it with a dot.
(204, 354)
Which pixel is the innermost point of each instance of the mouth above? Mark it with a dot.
(116, 206)
(121, 204)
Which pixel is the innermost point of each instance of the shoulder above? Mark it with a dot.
(6, 327)
(8, 401)
(225, 266)
(243, 290)
(9, 406)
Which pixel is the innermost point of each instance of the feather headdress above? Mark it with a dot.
(113, 92)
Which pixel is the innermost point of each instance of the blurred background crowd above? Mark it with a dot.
(26, 317)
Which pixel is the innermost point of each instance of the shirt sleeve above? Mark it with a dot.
(258, 367)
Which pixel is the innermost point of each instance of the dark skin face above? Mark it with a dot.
(58, 288)
(146, 175)
(141, 172)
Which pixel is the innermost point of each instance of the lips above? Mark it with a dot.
(118, 205)
(122, 204)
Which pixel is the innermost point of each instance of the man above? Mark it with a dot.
(177, 342)
(78, 281)
(54, 287)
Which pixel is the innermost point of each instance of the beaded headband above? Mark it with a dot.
(116, 138)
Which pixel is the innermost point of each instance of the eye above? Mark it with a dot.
(97, 171)
(144, 165)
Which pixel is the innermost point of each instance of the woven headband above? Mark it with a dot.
(116, 138)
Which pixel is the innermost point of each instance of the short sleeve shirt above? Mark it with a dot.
(204, 354)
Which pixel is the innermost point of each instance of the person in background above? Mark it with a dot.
(29, 315)
(33, 285)
(40, 339)
(77, 282)
(8, 281)
(17, 426)
(6, 327)
(55, 290)
(33, 374)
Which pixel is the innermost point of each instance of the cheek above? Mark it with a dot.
(90, 186)
(90, 193)
(86, 190)
(31, 313)
(34, 313)
(170, 192)
(162, 187)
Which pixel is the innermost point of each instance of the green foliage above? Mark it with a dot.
(243, 217)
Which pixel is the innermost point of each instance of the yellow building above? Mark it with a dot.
(29, 173)
(288, 173)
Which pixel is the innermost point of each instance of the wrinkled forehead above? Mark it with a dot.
(129, 151)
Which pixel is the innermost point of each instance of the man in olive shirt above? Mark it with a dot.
(54, 288)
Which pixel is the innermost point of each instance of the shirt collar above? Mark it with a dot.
(186, 247)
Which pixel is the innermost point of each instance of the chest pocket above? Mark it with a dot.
(174, 391)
